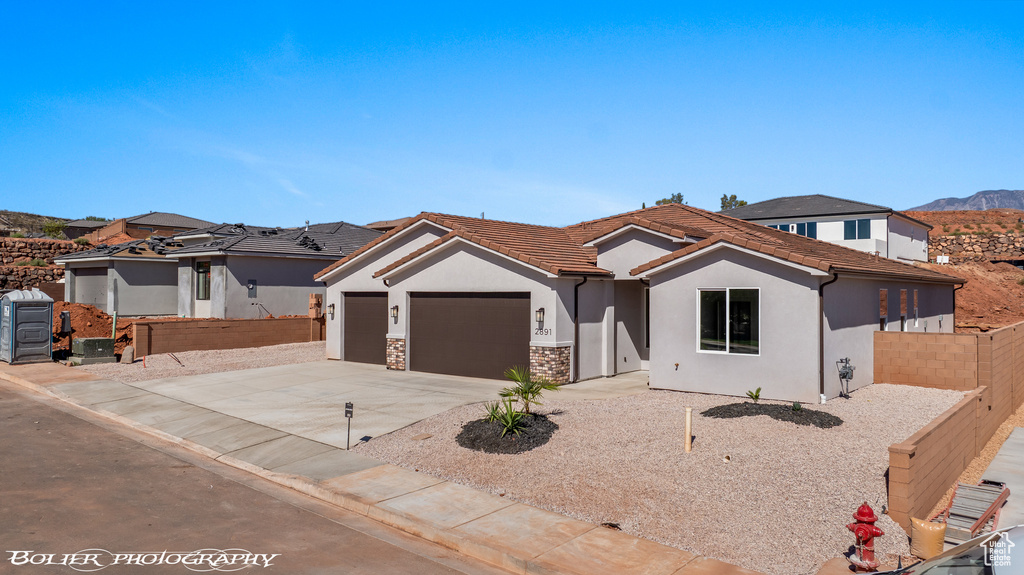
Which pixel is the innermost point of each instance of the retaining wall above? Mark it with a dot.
(168, 336)
(989, 366)
(17, 249)
(980, 247)
(27, 277)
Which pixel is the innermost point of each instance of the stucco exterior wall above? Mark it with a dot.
(139, 288)
(597, 324)
(283, 285)
(787, 365)
(830, 229)
(630, 348)
(630, 249)
(89, 284)
(186, 288)
(467, 268)
(852, 316)
(359, 278)
(907, 240)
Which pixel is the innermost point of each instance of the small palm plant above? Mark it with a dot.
(510, 418)
(755, 395)
(527, 389)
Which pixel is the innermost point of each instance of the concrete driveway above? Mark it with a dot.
(308, 399)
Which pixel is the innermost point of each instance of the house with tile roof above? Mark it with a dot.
(858, 225)
(221, 271)
(703, 301)
(145, 225)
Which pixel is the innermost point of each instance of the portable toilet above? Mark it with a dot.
(26, 326)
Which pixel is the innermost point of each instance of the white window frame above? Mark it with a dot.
(726, 351)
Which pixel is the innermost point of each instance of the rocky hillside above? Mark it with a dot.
(984, 200)
(24, 222)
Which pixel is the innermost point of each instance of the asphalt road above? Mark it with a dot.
(72, 481)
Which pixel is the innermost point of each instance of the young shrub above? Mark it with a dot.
(81, 241)
(1020, 282)
(38, 262)
(797, 406)
(527, 389)
(510, 418)
(22, 263)
(17, 235)
(493, 409)
(755, 395)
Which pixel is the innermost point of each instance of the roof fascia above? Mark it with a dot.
(415, 226)
(823, 215)
(726, 245)
(907, 218)
(616, 233)
(456, 241)
(860, 274)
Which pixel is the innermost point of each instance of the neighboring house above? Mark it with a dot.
(222, 271)
(706, 302)
(146, 225)
(865, 227)
(78, 228)
(386, 225)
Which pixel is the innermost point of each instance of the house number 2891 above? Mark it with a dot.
(540, 331)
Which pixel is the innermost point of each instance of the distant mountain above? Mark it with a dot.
(986, 200)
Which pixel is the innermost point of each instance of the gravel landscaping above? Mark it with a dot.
(162, 365)
(779, 505)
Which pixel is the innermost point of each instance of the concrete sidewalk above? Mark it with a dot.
(1008, 468)
(514, 536)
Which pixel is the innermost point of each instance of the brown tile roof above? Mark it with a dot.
(550, 249)
(561, 250)
(825, 256)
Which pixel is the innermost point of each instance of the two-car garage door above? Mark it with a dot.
(470, 334)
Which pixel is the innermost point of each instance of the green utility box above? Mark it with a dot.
(89, 350)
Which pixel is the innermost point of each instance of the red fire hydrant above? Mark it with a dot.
(865, 531)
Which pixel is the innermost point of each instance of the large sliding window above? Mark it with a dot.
(729, 321)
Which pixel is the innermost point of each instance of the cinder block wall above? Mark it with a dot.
(990, 366)
(168, 336)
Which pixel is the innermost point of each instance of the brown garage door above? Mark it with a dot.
(471, 334)
(366, 327)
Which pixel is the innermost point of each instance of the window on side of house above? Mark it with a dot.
(729, 321)
(202, 280)
(903, 310)
(857, 229)
(883, 309)
(647, 317)
(915, 308)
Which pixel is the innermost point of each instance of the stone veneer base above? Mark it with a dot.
(396, 354)
(551, 362)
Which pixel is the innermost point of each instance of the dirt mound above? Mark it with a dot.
(992, 297)
(89, 321)
(968, 221)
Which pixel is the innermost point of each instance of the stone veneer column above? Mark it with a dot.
(396, 354)
(550, 362)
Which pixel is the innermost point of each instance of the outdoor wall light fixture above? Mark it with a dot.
(540, 315)
(330, 310)
(394, 312)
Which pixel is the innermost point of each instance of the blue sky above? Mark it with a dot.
(273, 114)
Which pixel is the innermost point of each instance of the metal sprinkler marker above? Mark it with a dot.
(689, 436)
(348, 416)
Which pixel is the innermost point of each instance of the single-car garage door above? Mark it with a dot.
(366, 327)
(471, 334)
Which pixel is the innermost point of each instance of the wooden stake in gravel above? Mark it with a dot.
(689, 434)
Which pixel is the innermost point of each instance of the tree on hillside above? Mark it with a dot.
(730, 202)
(54, 229)
(673, 199)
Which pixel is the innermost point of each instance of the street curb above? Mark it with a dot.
(466, 544)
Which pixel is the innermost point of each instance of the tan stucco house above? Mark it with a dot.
(703, 301)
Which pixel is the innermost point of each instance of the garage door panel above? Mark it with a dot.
(476, 335)
(366, 327)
